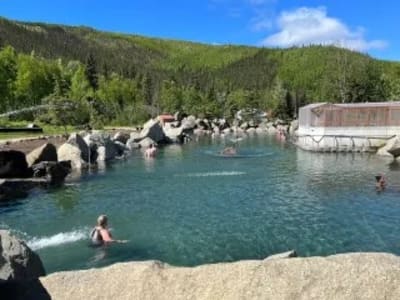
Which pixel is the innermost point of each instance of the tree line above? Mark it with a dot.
(119, 79)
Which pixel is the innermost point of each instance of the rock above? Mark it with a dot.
(47, 152)
(77, 151)
(121, 137)
(391, 146)
(260, 130)
(294, 125)
(199, 132)
(272, 130)
(54, 171)
(189, 123)
(244, 125)
(107, 152)
(13, 165)
(135, 137)
(17, 260)
(288, 254)
(179, 116)
(121, 148)
(73, 154)
(132, 145)
(251, 131)
(77, 141)
(227, 130)
(175, 135)
(346, 276)
(101, 144)
(153, 130)
(146, 142)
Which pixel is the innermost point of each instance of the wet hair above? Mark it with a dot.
(102, 220)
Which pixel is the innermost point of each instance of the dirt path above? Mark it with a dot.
(26, 145)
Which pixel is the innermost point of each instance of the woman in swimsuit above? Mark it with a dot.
(100, 234)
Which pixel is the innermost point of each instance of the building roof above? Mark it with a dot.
(354, 105)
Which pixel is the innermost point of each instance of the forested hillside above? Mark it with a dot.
(122, 79)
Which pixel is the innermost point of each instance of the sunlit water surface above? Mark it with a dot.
(191, 206)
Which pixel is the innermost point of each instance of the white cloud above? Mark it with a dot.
(307, 26)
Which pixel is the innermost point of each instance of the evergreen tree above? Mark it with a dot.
(91, 71)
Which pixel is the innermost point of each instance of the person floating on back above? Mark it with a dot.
(380, 182)
(100, 235)
(151, 151)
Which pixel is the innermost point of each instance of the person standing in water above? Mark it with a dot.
(100, 234)
(151, 151)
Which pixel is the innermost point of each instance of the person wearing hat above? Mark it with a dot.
(101, 235)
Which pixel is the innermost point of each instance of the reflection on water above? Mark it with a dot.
(66, 197)
(188, 206)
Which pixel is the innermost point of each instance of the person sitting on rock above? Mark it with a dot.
(100, 234)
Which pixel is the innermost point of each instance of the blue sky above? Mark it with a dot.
(368, 26)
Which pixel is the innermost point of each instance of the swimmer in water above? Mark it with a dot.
(380, 182)
(100, 234)
(229, 151)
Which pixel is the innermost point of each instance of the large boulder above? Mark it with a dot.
(77, 141)
(392, 148)
(122, 137)
(173, 134)
(54, 171)
(46, 152)
(13, 165)
(73, 154)
(101, 142)
(348, 276)
(146, 142)
(189, 123)
(76, 150)
(152, 129)
(17, 261)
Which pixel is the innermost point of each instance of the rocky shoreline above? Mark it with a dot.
(345, 276)
(283, 276)
(44, 161)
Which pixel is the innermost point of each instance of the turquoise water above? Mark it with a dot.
(190, 206)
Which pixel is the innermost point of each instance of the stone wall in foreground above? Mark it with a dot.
(346, 276)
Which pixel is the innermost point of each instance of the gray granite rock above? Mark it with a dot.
(17, 261)
(347, 276)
